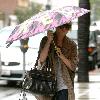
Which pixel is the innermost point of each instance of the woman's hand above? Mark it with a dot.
(64, 59)
(59, 53)
(50, 36)
(44, 51)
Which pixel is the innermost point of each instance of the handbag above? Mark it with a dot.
(40, 81)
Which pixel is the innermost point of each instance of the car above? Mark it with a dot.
(12, 60)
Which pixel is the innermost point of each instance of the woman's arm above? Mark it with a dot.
(45, 50)
(70, 63)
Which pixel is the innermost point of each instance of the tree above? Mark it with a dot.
(83, 41)
(25, 13)
(95, 10)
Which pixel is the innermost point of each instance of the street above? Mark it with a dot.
(91, 90)
(83, 91)
(12, 93)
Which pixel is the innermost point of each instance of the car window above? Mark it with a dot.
(4, 34)
(34, 41)
(73, 35)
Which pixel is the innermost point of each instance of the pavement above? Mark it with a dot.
(88, 90)
(83, 91)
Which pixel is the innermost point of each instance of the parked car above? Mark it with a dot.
(11, 58)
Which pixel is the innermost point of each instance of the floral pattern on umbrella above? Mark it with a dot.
(44, 21)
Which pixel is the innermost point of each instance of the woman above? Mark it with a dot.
(65, 61)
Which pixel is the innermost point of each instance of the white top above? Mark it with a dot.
(60, 82)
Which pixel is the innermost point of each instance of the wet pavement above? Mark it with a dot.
(91, 90)
(83, 91)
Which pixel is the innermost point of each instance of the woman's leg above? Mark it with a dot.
(62, 95)
(40, 97)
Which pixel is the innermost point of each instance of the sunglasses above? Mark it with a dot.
(65, 26)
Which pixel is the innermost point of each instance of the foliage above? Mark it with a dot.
(25, 13)
(95, 9)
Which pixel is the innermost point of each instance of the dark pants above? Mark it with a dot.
(61, 95)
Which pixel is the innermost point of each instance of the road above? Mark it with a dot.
(12, 93)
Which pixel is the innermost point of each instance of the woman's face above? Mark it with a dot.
(62, 30)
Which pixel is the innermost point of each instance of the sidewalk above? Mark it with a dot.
(91, 90)
(83, 91)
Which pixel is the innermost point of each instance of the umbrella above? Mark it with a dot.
(44, 21)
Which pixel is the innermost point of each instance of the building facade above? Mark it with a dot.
(7, 9)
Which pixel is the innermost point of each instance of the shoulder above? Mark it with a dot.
(70, 41)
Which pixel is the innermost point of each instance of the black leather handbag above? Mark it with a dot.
(40, 81)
